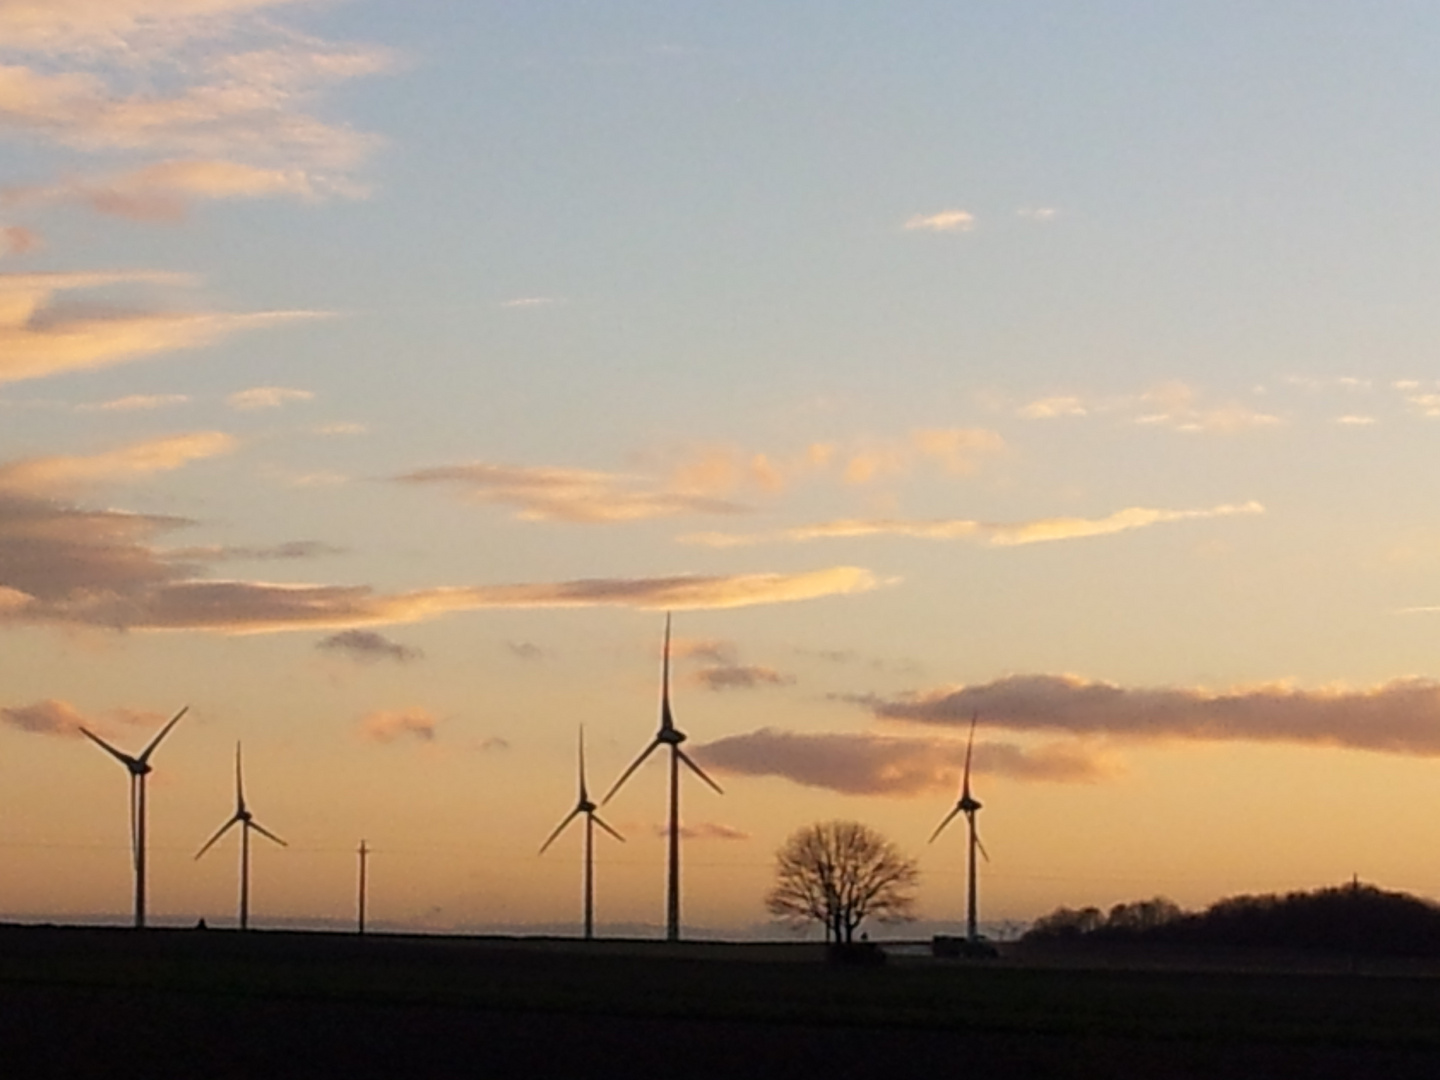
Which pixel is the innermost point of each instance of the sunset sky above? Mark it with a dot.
(374, 376)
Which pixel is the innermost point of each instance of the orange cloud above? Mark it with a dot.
(136, 403)
(164, 190)
(993, 534)
(40, 338)
(863, 764)
(1401, 717)
(60, 473)
(266, 397)
(944, 221)
(387, 727)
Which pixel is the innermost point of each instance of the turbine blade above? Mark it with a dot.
(558, 830)
(239, 782)
(666, 720)
(582, 765)
(145, 754)
(627, 773)
(120, 756)
(596, 818)
(699, 771)
(979, 844)
(265, 832)
(941, 827)
(969, 748)
(218, 833)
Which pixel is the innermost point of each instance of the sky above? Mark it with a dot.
(374, 377)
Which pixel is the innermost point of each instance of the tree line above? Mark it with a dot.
(1354, 918)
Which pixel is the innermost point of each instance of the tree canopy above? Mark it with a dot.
(839, 873)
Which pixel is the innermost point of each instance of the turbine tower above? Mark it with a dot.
(585, 806)
(139, 768)
(246, 821)
(671, 736)
(968, 805)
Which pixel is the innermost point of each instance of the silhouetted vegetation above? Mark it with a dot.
(1354, 918)
(839, 873)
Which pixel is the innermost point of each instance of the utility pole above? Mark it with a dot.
(364, 853)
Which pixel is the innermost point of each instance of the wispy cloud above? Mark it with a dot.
(526, 650)
(959, 451)
(943, 221)
(18, 240)
(706, 830)
(865, 764)
(529, 302)
(163, 192)
(39, 337)
(137, 403)
(367, 646)
(1173, 405)
(1038, 213)
(1048, 408)
(63, 565)
(740, 677)
(1401, 717)
(576, 496)
(48, 475)
(289, 550)
(220, 90)
(266, 397)
(50, 717)
(992, 534)
(389, 726)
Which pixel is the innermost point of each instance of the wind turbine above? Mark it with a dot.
(671, 736)
(246, 821)
(968, 805)
(585, 806)
(139, 768)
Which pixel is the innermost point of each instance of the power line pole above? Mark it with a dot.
(364, 853)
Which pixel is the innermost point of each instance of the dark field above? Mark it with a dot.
(89, 1002)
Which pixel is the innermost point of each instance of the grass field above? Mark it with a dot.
(88, 1002)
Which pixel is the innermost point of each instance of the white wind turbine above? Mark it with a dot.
(671, 736)
(585, 806)
(968, 805)
(246, 820)
(139, 769)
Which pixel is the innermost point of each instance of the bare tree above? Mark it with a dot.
(838, 873)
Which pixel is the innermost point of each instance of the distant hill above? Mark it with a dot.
(1353, 918)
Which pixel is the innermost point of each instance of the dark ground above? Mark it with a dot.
(79, 1003)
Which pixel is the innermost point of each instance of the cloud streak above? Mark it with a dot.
(740, 677)
(992, 534)
(943, 221)
(1400, 717)
(48, 475)
(866, 764)
(575, 496)
(40, 337)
